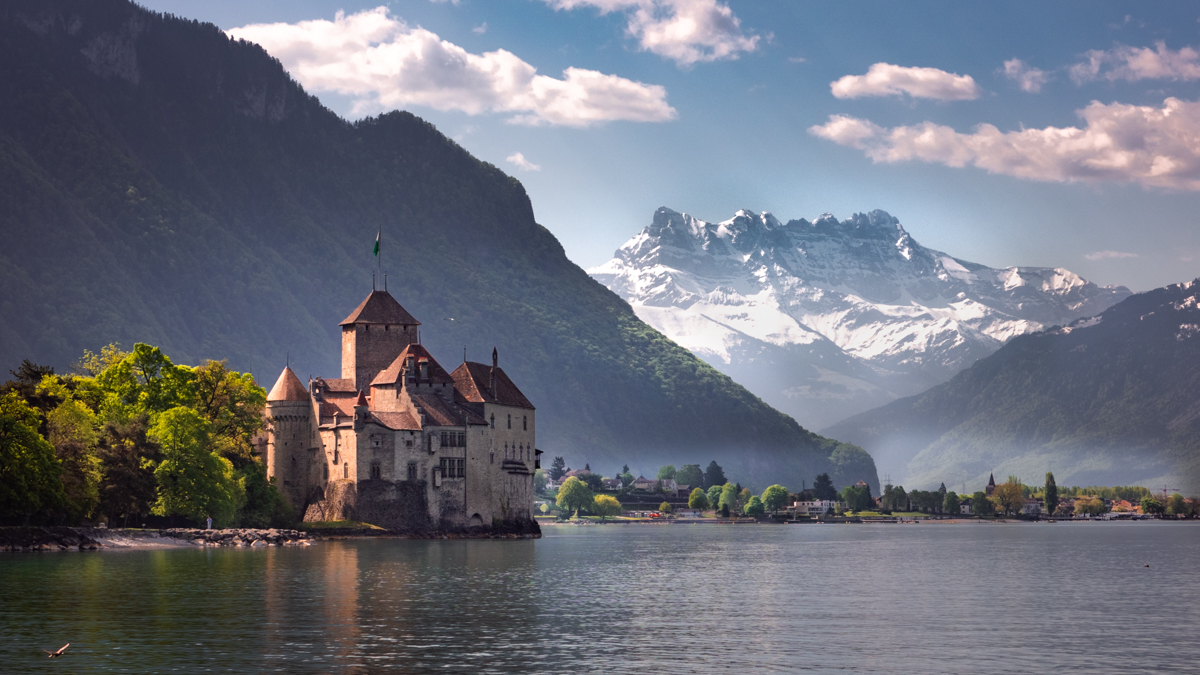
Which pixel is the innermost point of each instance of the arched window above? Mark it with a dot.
(492, 424)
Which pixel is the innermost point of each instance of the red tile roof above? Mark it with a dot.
(473, 381)
(438, 413)
(288, 388)
(391, 375)
(337, 385)
(397, 421)
(381, 308)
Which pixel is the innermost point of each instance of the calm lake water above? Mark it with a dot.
(929, 598)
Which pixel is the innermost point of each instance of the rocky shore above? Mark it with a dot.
(91, 539)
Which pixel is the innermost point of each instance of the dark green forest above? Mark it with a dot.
(1105, 401)
(162, 183)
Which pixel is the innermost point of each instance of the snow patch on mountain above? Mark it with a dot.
(827, 318)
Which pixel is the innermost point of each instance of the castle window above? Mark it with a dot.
(412, 470)
(345, 471)
(510, 421)
(453, 467)
(326, 472)
(376, 471)
(374, 442)
(524, 423)
(462, 439)
(492, 454)
(492, 424)
(408, 443)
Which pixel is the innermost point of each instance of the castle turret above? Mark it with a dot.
(289, 433)
(373, 336)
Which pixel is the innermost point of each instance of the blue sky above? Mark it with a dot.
(736, 113)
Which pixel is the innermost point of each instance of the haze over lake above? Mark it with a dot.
(929, 598)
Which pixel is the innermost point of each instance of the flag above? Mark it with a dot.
(377, 244)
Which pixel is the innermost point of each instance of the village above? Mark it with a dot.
(692, 495)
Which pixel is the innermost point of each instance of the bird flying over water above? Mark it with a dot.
(57, 653)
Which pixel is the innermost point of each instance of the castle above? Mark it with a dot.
(399, 442)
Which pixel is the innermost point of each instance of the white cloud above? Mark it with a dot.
(382, 63)
(1029, 78)
(1146, 145)
(685, 31)
(480, 29)
(1109, 255)
(1138, 63)
(886, 79)
(518, 160)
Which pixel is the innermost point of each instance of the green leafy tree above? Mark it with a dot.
(264, 506)
(1010, 496)
(690, 475)
(729, 495)
(666, 472)
(193, 481)
(1176, 505)
(127, 461)
(754, 507)
(1152, 506)
(30, 487)
(1050, 495)
(606, 506)
(624, 470)
(743, 498)
(73, 433)
(1089, 505)
(698, 500)
(823, 488)
(557, 468)
(233, 404)
(594, 481)
(574, 495)
(714, 475)
(951, 504)
(724, 510)
(856, 498)
(774, 498)
(664, 508)
(544, 508)
(626, 479)
(145, 381)
(539, 481)
(714, 496)
(981, 505)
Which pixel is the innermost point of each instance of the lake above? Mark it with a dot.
(928, 598)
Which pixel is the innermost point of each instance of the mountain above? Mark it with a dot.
(160, 182)
(828, 318)
(1108, 400)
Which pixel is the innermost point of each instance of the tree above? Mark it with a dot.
(755, 507)
(743, 498)
(664, 508)
(193, 481)
(981, 505)
(698, 500)
(624, 470)
(594, 481)
(539, 481)
(941, 497)
(29, 472)
(729, 495)
(714, 475)
(666, 472)
(606, 506)
(145, 381)
(1152, 506)
(127, 461)
(626, 479)
(1009, 496)
(690, 475)
(856, 498)
(774, 498)
(1050, 496)
(574, 495)
(724, 510)
(264, 506)
(823, 488)
(1176, 505)
(714, 496)
(72, 432)
(1089, 505)
(544, 508)
(894, 498)
(557, 468)
(233, 404)
(951, 504)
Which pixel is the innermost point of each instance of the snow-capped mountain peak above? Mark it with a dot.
(826, 318)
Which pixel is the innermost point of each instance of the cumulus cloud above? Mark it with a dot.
(1109, 255)
(1029, 78)
(886, 79)
(685, 31)
(382, 63)
(1138, 63)
(518, 160)
(1147, 145)
(480, 29)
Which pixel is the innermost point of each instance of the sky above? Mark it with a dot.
(1061, 134)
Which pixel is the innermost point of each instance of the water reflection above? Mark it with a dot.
(929, 599)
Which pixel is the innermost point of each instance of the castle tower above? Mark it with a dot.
(373, 336)
(289, 434)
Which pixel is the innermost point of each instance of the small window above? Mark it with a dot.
(412, 469)
(492, 455)
(492, 423)
(345, 471)
(376, 471)
(510, 421)
(326, 472)
(462, 439)
(524, 423)
(374, 442)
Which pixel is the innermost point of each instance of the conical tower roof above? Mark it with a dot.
(380, 307)
(288, 388)
(991, 480)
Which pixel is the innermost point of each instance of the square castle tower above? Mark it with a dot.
(397, 441)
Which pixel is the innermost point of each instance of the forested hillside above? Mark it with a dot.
(1109, 400)
(162, 183)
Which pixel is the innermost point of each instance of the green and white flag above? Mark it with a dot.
(377, 243)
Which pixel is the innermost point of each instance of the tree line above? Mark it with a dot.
(129, 434)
